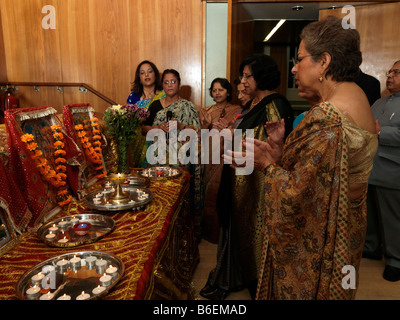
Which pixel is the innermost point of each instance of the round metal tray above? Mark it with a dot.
(134, 196)
(72, 279)
(156, 173)
(99, 226)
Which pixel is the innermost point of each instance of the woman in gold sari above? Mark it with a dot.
(316, 185)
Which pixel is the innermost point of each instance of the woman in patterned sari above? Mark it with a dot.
(146, 89)
(240, 201)
(172, 109)
(316, 185)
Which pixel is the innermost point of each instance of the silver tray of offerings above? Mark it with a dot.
(81, 275)
(109, 199)
(79, 229)
(161, 173)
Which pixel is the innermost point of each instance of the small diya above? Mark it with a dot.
(159, 173)
(82, 228)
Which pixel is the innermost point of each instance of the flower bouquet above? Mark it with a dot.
(121, 123)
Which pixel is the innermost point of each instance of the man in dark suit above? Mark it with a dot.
(384, 182)
(370, 85)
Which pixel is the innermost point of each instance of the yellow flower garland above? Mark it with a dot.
(93, 154)
(57, 178)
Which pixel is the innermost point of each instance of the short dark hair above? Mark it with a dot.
(137, 86)
(224, 84)
(174, 72)
(343, 45)
(264, 70)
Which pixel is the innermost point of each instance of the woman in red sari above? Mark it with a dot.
(316, 181)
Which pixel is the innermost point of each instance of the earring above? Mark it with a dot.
(320, 78)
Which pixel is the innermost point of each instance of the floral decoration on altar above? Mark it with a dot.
(121, 123)
(92, 153)
(56, 177)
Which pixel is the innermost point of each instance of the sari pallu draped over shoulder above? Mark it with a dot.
(311, 229)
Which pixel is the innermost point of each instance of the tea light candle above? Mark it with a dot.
(75, 263)
(63, 240)
(74, 220)
(98, 290)
(64, 297)
(108, 204)
(33, 292)
(54, 228)
(105, 280)
(37, 278)
(83, 296)
(63, 224)
(101, 265)
(63, 265)
(131, 201)
(112, 271)
(47, 296)
(96, 200)
(90, 262)
(47, 269)
(50, 236)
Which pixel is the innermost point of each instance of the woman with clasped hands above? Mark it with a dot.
(316, 182)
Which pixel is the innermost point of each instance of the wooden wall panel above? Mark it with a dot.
(379, 32)
(100, 43)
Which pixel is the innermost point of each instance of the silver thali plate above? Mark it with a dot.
(75, 230)
(156, 173)
(80, 275)
(137, 199)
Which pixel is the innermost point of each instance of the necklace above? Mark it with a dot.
(223, 111)
(254, 102)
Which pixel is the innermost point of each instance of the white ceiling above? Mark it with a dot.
(276, 11)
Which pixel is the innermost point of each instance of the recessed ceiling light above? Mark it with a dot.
(297, 8)
(333, 7)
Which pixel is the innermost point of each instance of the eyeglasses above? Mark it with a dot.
(167, 82)
(392, 73)
(298, 60)
(245, 76)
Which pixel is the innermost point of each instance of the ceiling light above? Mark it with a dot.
(333, 7)
(274, 30)
(297, 8)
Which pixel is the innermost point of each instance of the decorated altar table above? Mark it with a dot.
(157, 246)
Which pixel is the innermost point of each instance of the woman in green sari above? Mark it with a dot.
(174, 109)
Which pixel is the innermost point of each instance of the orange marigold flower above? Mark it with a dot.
(62, 192)
(102, 175)
(62, 176)
(63, 203)
(32, 146)
(27, 137)
(38, 153)
(81, 134)
(61, 168)
(55, 127)
(41, 161)
(58, 136)
(60, 160)
(97, 143)
(96, 131)
(94, 119)
(60, 152)
(99, 168)
(79, 127)
(96, 137)
(97, 149)
(59, 144)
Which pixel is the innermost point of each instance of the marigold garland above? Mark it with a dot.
(57, 178)
(93, 154)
